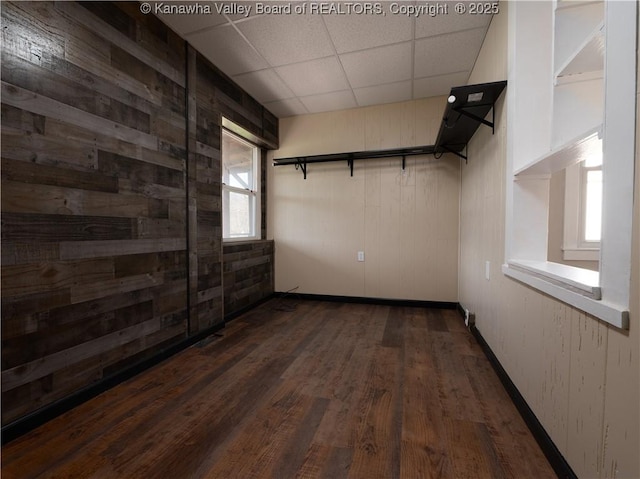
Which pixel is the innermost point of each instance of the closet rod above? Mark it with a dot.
(302, 161)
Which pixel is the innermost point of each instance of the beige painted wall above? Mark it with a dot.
(580, 376)
(405, 222)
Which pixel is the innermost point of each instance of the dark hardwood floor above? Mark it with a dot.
(300, 389)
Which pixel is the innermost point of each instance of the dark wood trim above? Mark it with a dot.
(362, 300)
(35, 419)
(257, 140)
(550, 450)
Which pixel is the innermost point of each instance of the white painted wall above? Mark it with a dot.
(580, 376)
(405, 222)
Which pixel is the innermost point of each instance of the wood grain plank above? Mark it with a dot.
(75, 54)
(81, 293)
(53, 228)
(172, 93)
(93, 249)
(138, 172)
(28, 372)
(48, 340)
(472, 453)
(54, 200)
(377, 446)
(39, 104)
(26, 31)
(20, 122)
(85, 17)
(74, 93)
(40, 277)
(424, 446)
(148, 228)
(14, 253)
(46, 160)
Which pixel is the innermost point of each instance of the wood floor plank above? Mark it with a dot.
(377, 438)
(299, 389)
(424, 448)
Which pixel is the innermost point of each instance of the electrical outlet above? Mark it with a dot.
(360, 255)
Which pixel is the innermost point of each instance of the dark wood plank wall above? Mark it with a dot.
(111, 236)
(248, 274)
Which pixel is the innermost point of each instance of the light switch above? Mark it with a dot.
(360, 255)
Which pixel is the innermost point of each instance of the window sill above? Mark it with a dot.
(230, 241)
(575, 286)
(581, 254)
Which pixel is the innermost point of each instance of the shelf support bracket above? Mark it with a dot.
(462, 111)
(466, 160)
(302, 164)
(350, 163)
(404, 158)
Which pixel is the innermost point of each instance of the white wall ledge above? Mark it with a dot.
(578, 290)
(581, 254)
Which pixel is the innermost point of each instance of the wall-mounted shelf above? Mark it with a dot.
(467, 107)
(464, 113)
(301, 162)
(580, 148)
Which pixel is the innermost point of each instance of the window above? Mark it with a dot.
(583, 210)
(240, 188)
(571, 97)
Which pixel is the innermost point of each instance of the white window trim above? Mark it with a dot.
(527, 187)
(254, 194)
(574, 247)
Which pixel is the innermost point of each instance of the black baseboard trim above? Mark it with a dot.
(361, 300)
(37, 418)
(554, 456)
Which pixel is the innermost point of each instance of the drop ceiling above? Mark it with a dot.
(297, 64)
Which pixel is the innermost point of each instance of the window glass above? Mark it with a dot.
(240, 184)
(593, 205)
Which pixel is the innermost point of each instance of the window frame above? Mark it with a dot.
(253, 193)
(604, 294)
(574, 245)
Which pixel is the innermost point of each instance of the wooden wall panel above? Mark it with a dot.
(216, 96)
(92, 166)
(247, 274)
(206, 184)
(111, 234)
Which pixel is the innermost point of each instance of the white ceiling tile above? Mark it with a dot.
(358, 32)
(284, 108)
(438, 85)
(299, 64)
(226, 49)
(185, 24)
(339, 100)
(284, 39)
(314, 77)
(379, 94)
(427, 26)
(379, 65)
(450, 53)
(264, 85)
(239, 17)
